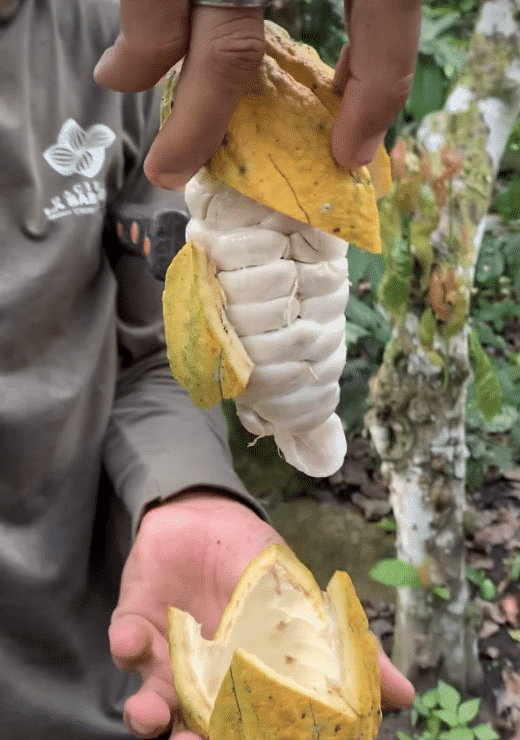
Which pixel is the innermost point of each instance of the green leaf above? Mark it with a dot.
(353, 332)
(488, 590)
(488, 394)
(486, 386)
(485, 585)
(514, 635)
(401, 258)
(515, 568)
(460, 733)
(393, 293)
(435, 358)
(507, 203)
(403, 736)
(448, 56)
(430, 698)
(433, 725)
(491, 263)
(475, 576)
(481, 361)
(363, 265)
(474, 473)
(501, 456)
(442, 592)
(362, 314)
(432, 28)
(503, 421)
(427, 327)
(386, 524)
(485, 732)
(394, 572)
(435, 39)
(449, 697)
(420, 706)
(488, 337)
(468, 710)
(448, 716)
(429, 88)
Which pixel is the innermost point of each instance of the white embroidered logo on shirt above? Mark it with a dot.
(78, 151)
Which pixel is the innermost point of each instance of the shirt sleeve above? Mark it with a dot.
(158, 442)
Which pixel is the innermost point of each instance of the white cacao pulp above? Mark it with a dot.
(286, 286)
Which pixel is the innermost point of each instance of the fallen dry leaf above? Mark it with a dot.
(508, 704)
(509, 605)
(498, 534)
(490, 610)
(491, 652)
(513, 474)
(479, 562)
(488, 628)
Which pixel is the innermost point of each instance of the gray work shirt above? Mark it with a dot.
(87, 403)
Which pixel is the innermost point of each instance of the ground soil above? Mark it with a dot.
(493, 542)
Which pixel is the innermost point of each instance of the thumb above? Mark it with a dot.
(396, 690)
(226, 48)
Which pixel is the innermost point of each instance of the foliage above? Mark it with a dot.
(480, 579)
(395, 572)
(368, 332)
(495, 308)
(318, 23)
(507, 200)
(515, 568)
(495, 318)
(322, 27)
(493, 442)
(441, 714)
(445, 32)
(486, 386)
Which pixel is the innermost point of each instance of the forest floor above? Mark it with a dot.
(493, 543)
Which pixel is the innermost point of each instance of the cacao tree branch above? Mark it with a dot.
(433, 224)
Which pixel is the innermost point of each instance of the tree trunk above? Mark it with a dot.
(433, 224)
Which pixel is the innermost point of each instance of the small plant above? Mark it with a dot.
(395, 572)
(515, 568)
(440, 714)
(483, 582)
(386, 524)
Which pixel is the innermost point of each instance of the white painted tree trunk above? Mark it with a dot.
(417, 420)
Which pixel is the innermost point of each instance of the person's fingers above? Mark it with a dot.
(148, 713)
(136, 645)
(226, 48)
(130, 641)
(184, 735)
(374, 73)
(154, 36)
(396, 690)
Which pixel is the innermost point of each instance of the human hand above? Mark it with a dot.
(224, 47)
(374, 74)
(190, 552)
